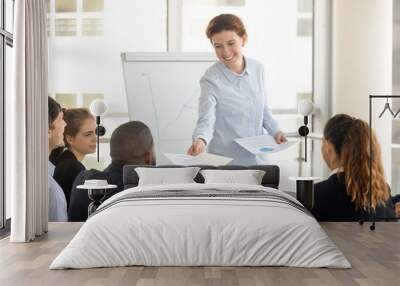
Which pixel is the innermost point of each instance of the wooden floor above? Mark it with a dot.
(375, 257)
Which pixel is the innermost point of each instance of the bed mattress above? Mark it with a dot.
(201, 225)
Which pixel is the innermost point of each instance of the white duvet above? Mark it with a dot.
(185, 231)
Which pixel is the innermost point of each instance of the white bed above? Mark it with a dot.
(201, 224)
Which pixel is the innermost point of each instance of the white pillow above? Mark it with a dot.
(165, 176)
(248, 177)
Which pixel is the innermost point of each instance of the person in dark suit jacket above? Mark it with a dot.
(131, 144)
(80, 140)
(396, 203)
(344, 195)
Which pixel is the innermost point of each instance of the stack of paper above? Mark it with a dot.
(201, 159)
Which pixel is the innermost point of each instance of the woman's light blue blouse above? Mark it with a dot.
(233, 106)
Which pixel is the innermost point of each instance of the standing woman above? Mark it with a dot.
(80, 140)
(232, 102)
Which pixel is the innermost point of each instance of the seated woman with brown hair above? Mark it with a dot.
(80, 140)
(344, 196)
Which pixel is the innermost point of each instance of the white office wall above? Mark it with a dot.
(8, 81)
(322, 80)
(362, 63)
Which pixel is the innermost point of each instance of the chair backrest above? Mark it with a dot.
(270, 179)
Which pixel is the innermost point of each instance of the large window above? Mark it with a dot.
(6, 43)
(86, 38)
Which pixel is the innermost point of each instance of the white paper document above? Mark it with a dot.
(201, 159)
(264, 144)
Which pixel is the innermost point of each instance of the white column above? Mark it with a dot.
(362, 63)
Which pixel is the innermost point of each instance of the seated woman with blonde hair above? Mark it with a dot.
(344, 196)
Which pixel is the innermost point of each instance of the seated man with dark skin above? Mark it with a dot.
(130, 144)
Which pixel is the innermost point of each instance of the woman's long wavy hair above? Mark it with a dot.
(351, 139)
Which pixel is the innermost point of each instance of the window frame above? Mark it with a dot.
(6, 39)
(79, 15)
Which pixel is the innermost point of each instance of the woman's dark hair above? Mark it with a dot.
(55, 154)
(54, 110)
(74, 118)
(350, 138)
(226, 22)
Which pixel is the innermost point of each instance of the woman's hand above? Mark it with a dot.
(280, 137)
(198, 146)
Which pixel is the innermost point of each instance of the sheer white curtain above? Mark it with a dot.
(27, 123)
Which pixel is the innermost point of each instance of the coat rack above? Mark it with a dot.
(386, 108)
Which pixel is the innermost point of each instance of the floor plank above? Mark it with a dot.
(374, 255)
